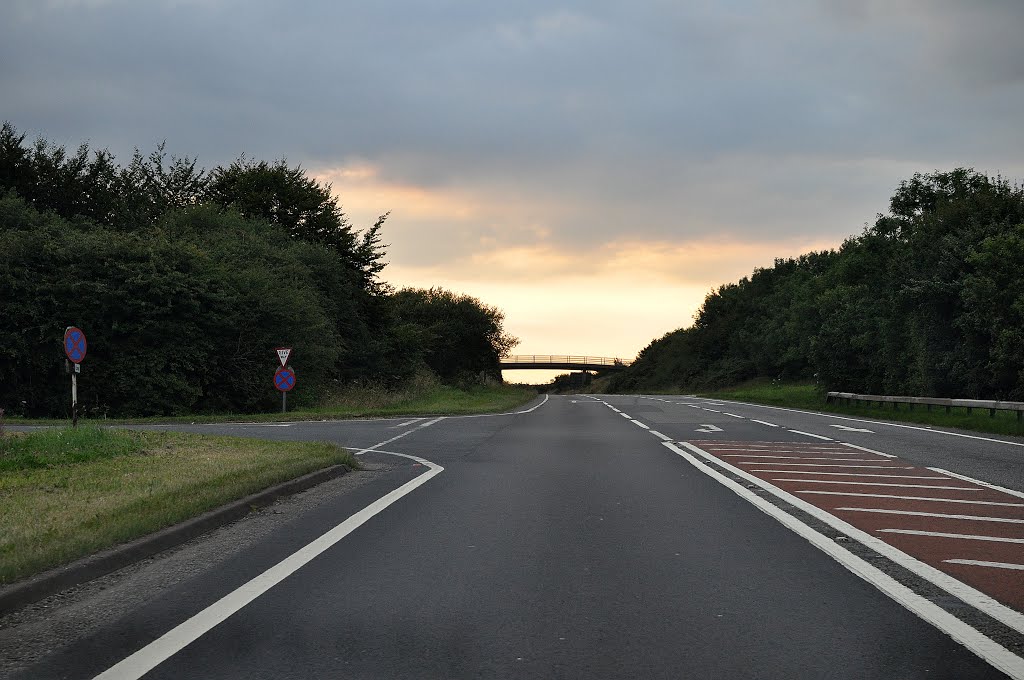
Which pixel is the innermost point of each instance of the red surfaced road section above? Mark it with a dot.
(970, 531)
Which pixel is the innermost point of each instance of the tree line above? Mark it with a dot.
(927, 301)
(185, 280)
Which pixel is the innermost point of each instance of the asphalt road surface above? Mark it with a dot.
(611, 537)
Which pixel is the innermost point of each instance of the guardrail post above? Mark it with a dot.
(1020, 414)
(991, 413)
(947, 409)
(969, 409)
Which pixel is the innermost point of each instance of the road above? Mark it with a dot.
(608, 537)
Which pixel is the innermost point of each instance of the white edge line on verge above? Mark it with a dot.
(510, 413)
(962, 591)
(184, 634)
(879, 422)
(811, 434)
(989, 650)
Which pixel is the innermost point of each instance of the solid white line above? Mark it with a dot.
(902, 486)
(406, 424)
(940, 534)
(913, 498)
(975, 518)
(845, 474)
(637, 422)
(1012, 492)
(970, 595)
(147, 658)
(658, 434)
(811, 434)
(763, 422)
(985, 647)
(734, 415)
(981, 563)
(510, 413)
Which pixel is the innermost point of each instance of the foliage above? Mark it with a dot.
(927, 301)
(459, 337)
(184, 281)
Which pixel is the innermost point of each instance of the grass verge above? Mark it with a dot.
(805, 396)
(360, 402)
(69, 493)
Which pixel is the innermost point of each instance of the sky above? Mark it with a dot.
(593, 169)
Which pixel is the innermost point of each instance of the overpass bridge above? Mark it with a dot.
(567, 362)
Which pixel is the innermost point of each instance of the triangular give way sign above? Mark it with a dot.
(283, 353)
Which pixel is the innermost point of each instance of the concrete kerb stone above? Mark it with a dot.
(35, 588)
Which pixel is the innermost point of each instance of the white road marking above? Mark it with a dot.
(902, 486)
(852, 460)
(637, 422)
(983, 646)
(982, 563)
(660, 435)
(161, 649)
(846, 474)
(733, 415)
(851, 429)
(510, 413)
(864, 448)
(913, 498)
(407, 423)
(879, 422)
(832, 465)
(811, 434)
(258, 424)
(708, 428)
(625, 415)
(975, 518)
(941, 534)
(1012, 492)
(763, 422)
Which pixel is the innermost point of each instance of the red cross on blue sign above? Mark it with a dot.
(74, 344)
(284, 379)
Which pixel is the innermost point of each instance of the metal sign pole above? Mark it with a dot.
(284, 402)
(74, 399)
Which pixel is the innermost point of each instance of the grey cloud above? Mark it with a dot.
(659, 119)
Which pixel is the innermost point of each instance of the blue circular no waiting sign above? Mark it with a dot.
(284, 379)
(74, 344)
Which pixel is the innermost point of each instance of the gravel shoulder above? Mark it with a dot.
(47, 627)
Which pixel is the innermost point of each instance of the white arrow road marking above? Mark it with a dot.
(851, 429)
(708, 428)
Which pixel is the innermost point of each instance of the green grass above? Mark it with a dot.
(806, 396)
(68, 493)
(417, 399)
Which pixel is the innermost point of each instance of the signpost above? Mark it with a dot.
(284, 381)
(75, 347)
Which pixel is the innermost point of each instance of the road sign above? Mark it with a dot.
(74, 344)
(283, 353)
(284, 379)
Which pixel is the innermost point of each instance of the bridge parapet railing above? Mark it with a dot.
(991, 404)
(563, 359)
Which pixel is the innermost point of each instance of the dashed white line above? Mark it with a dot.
(864, 448)
(912, 498)
(638, 423)
(941, 534)
(851, 460)
(830, 465)
(733, 415)
(982, 563)
(763, 422)
(406, 424)
(625, 415)
(976, 518)
(660, 435)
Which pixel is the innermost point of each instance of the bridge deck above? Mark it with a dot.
(568, 362)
